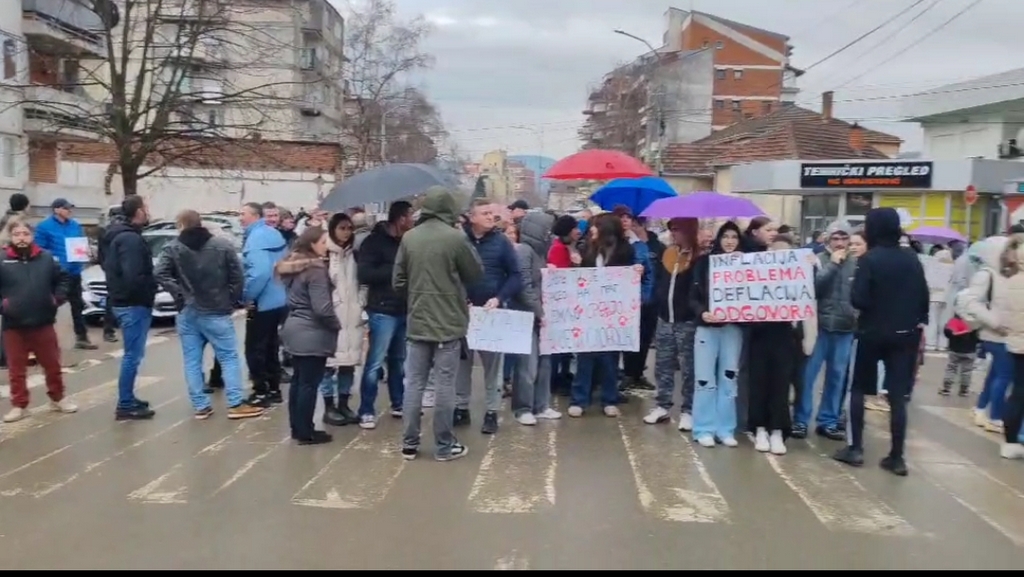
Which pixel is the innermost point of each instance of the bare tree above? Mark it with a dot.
(412, 130)
(382, 51)
(615, 119)
(180, 83)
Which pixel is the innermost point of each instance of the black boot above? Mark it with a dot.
(331, 415)
(350, 417)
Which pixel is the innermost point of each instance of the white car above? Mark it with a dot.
(94, 280)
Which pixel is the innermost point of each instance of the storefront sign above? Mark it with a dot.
(867, 175)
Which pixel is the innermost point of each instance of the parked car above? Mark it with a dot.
(94, 280)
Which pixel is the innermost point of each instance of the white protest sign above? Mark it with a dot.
(77, 249)
(589, 310)
(500, 331)
(762, 286)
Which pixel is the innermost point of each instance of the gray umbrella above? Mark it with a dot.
(386, 183)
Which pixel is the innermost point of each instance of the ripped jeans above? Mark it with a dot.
(716, 364)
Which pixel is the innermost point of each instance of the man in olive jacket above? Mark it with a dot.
(434, 264)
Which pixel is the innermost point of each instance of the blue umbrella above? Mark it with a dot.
(636, 193)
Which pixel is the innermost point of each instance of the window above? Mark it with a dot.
(8, 150)
(706, 44)
(737, 74)
(10, 59)
(720, 104)
(766, 106)
(307, 58)
(212, 119)
(735, 104)
(720, 74)
(719, 45)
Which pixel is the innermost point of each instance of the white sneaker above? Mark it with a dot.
(611, 411)
(549, 414)
(15, 414)
(367, 422)
(63, 406)
(980, 418)
(1012, 451)
(706, 441)
(527, 419)
(994, 427)
(761, 443)
(657, 415)
(428, 399)
(730, 441)
(575, 411)
(776, 443)
(685, 422)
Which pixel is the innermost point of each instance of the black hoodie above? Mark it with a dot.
(376, 264)
(699, 292)
(889, 287)
(128, 264)
(201, 271)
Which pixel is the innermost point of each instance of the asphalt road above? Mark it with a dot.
(85, 492)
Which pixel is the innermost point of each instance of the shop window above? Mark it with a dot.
(858, 203)
(818, 211)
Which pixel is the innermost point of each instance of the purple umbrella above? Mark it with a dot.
(936, 234)
(702, 205)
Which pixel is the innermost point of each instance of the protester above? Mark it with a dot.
(500, 283)
(531, 388)
(674, 336)
(287, 228)
(55, 235)
(204, 275)
(265, 298)
(1008, 297)
(511, 232)
(18, 211)
(32, 288)
(360, 228)
(517, 210)
(891, 293)
(647, 250)
(131, 289)
(385, 309)
(310, 331)
(434, 264)
(717, 349)
(563, 254)
(336, 386)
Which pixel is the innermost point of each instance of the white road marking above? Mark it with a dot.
(371, 465)
(90, 398)
(248, 465)
(514, 561)
(963, 419)
(671, 481)
(517, 474)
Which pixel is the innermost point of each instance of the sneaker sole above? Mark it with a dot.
(237, 416)
(410, 456)
(203, 416)
(453, 456)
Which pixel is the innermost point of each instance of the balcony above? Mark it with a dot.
(205, 53)
(189, 10)
(313, 21)
(61, 27)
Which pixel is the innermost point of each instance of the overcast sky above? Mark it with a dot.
(514, 74)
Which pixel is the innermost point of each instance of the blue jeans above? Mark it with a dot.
(716, 366)
(606, 365)
(196, 330)
(997, 381)
(135, 323)
(387, 344)
(337, 382)
(833, 350)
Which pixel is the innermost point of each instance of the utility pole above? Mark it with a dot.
(657, 97)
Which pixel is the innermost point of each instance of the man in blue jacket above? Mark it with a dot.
(60, 234)
(501, 283)
(265, 298)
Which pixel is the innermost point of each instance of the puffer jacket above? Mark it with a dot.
(983, 304)
(532, 250)
(832, 284)
(1011, 273)
(311, 329)
(341, 266)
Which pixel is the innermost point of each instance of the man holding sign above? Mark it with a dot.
(61, 235)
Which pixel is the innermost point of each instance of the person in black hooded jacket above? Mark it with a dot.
(891, 294)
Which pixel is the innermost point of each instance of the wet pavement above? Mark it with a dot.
(85, 492)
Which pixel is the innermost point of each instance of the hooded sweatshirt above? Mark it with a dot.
(983, 302)
(531, 252)
(202, 271)
(434, 264)
(889, 288)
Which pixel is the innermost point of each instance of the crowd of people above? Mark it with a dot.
(335, 296)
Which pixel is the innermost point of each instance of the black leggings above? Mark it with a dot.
(772, 354)
(899, 357)
(1013, 413)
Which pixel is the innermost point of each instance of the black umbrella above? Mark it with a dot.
(386, 183)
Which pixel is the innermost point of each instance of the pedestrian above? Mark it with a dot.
(500, 284)
(386, 310)
(674, 335)
(32, 288)
(434, 264)
(891, 294)
(963, 349)
(716, 352)
(310, 331)
(102, 248)
(647, 250)
(265, 299)
(509, 363)
(131, 288)
(531, 387)
(204, 275)
(18, 211)
(563, 254)
(1008, 295)
(336, 386)
(60, 234)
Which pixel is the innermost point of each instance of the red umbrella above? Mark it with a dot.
(597, 165)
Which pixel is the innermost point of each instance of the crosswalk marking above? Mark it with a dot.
(358, 477)
(517, 474)
(671, 480)
(963, 419)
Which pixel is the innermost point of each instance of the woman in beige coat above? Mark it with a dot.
(348, 308)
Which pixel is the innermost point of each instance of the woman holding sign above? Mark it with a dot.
(716, 353)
